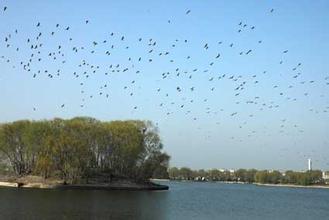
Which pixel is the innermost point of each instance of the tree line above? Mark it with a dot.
(83, 149)
(248, 176)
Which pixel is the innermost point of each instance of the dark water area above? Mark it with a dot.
(184, 200)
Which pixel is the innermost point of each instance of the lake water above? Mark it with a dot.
(184, 200)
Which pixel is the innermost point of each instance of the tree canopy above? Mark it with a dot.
(81, 148)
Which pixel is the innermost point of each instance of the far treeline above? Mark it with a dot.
(82, 149)
(248, 176)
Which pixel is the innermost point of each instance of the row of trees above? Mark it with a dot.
(290, 177)
(81, 148)
(248, 176)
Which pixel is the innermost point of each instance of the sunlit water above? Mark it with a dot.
(184, 200)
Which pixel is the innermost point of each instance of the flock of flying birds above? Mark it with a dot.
(36, 65)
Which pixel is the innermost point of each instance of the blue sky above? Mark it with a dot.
(280, 120)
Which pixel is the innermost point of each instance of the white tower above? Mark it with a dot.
(309, 164)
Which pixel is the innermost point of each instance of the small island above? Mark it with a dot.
(82, 153)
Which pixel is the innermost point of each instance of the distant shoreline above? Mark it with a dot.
(293, 185)
(256, 184)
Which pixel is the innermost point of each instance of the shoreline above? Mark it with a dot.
(57, 184)
(292, 186)
(131, 186)
(115, 186)
(260, 184)
(118, 187)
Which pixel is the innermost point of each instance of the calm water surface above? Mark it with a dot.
(184, 200)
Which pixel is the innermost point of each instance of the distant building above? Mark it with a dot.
(325, 175)
(309, 164)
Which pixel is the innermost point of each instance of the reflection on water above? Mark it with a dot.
(76, 204)
(183, 201)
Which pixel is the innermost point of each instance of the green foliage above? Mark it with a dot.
(248, 176)
(264, 176)
(81, 147)
(303, 178)
(244, 175)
